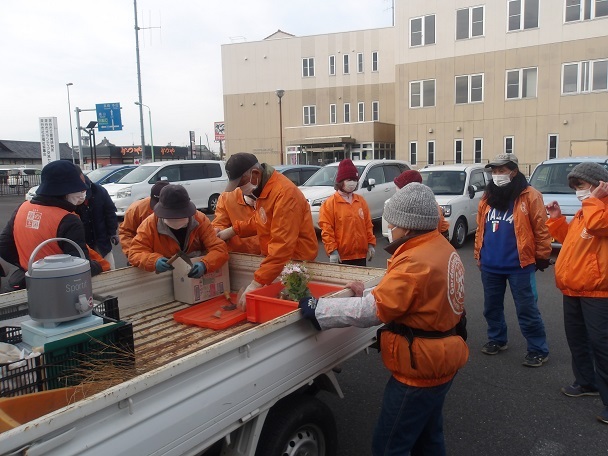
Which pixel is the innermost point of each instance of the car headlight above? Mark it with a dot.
(123, 193)
(318, 201)
(447, 210)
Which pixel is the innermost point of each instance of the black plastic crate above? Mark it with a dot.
(19, 377)
(108, 307)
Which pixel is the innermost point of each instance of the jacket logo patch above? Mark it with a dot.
(585, 234)
(456, 283)
(262, 215)
(361, 213)
(33, 220)
(524, 208)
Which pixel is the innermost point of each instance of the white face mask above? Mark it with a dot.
(249, 200)
(248, 188)
(500, 180)
(390, 235)
(583, 194)
(349, 186)
(76, 198)
(177, 224)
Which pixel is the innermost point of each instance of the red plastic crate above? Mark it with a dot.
(263, 304)
(203, 314)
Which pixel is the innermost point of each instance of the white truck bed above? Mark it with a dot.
(210, 383)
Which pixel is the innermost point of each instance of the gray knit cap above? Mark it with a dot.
(590, 172)
(413, 208)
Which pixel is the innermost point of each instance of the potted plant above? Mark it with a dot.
(295, 279)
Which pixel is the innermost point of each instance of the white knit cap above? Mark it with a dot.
(413, 208)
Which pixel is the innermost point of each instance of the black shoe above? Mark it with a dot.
(533, 359)
(492, 348)
(576, 390)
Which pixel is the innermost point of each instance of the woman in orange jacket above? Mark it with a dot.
(346, 224)
(580, 274)
(421, 300)
(231, 206)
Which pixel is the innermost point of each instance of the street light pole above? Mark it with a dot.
(141, 111)
(150, 118)
(67, 86)
(280, 94)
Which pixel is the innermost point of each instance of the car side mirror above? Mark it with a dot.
(369, 184)
(472, 190)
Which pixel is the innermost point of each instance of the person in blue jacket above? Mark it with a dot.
(98, 214)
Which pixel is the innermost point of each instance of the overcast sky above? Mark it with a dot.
(47, 44)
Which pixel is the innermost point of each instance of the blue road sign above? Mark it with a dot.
(108, 117)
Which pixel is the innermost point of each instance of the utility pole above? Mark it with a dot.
(141, 108)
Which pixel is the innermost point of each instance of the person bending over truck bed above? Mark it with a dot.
(282, 218)
(421, 301)
(177, 226)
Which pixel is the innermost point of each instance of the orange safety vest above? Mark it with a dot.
(33, 225)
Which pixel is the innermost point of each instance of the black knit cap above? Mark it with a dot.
(589, 172)
(174, 203)
(60, 178)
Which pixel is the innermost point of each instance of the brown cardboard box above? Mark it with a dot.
(193, 291)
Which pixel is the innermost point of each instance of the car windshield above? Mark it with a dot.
(138, 175)
(326, 177)
(553, 177)
(99, 173)
(445, 182)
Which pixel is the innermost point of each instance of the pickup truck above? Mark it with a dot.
(245, 390)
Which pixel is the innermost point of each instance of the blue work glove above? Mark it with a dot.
(162, 265)
(334, 257)
(198, 269)
(308, 305)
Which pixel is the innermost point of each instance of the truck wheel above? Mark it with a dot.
(299, 426)
(212, 203)
(460, 233)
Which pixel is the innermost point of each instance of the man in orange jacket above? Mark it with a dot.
(282, 218)
(136, 213)
(421, 300)
(345, 221)
(176, 226)
(231, 206)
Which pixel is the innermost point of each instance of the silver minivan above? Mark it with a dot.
(204, 180)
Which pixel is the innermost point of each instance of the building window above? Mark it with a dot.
(552, 144)
(346, 70)
(583, 77)
(359, 62)
(422, 93)
(458, 151)
(361, 111)
(422, 30)
(477, 150)
(375, 111)
(332, 65)
(509, 144)
(576, 10)
(523, 14)
(310, 117)
(332, 114)
(469, 22)
(521, 83)
(430, 152)
(375, 61)
(308, 67)
(469, 88)
(413, 152)
(346, 112)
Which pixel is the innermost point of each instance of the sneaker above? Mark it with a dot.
(533, 359)
(576, 390)
(603, 416)
(492, 348)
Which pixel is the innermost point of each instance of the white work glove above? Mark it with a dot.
(252, 286)
(226, 234)
(371, 251)
(334, 257)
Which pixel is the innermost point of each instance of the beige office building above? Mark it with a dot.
(453, 81)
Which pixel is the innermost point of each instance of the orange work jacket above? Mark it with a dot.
(155, 240)
(135, 214)
(424, 289)
(346, 227)
(284, 227)
(530, 224)
(230, 208)
(580, 269)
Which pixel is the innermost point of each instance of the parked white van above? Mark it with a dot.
(204, 180)
(458, 190)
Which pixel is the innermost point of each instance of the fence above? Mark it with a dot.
(18, 185)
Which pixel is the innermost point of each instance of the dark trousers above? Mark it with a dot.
(411, 421)
(359, 262)
(586, 324)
